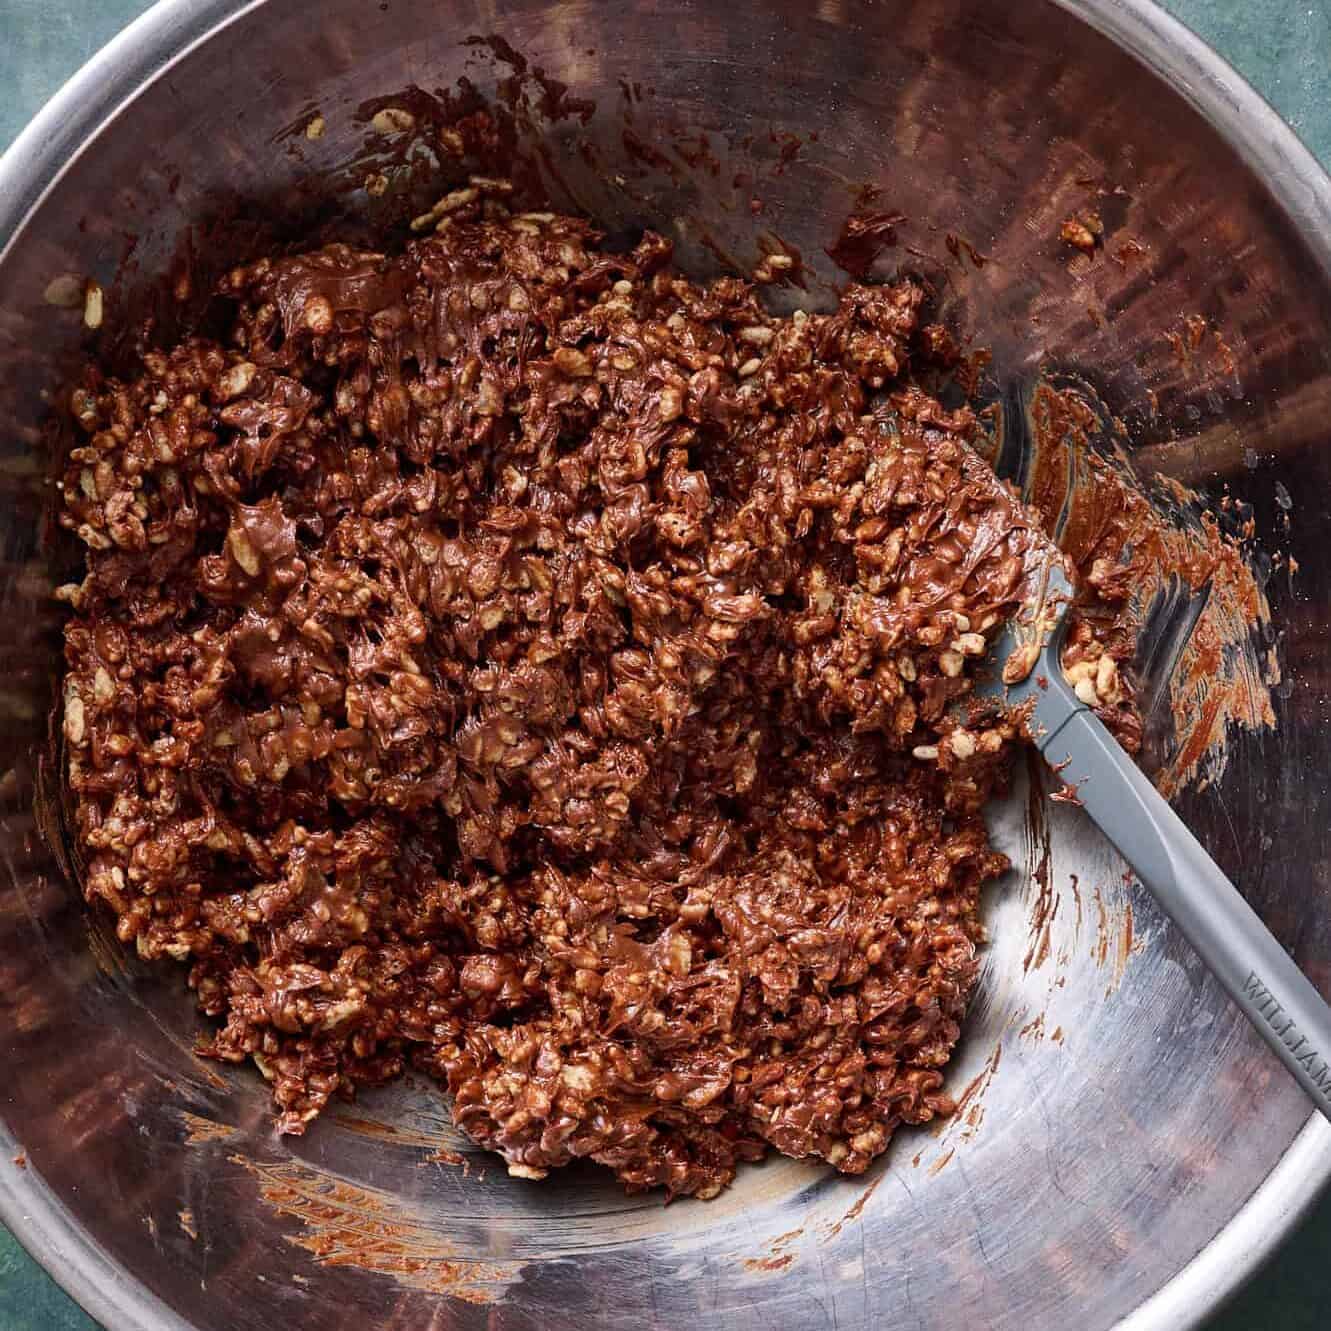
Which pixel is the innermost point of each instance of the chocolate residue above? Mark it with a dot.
(862, 1201)
(978, 1084)
(203, 1130)
(1038, 856)
(863, 237)
(345, 1224)
(1125, 945)
(186, 1219)
(1129, 251)
(768, 1263)
(1186, 586)
(554, 99)
(1186, 342)
(857, 1207)
(1224, 676)
(1225, 361)
(399, 1136)
(1101, 929)
(957, 245)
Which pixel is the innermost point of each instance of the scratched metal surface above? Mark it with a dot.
(1118, 1113)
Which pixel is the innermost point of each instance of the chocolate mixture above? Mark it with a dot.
(515, 658)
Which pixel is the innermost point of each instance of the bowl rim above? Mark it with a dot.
(168, 31)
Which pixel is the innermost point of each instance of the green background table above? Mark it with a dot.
(1282, 46)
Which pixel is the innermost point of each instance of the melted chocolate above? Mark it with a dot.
(515, 658)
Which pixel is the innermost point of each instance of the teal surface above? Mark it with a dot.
(1282, 46)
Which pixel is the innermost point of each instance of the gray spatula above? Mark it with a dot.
(1023, 669)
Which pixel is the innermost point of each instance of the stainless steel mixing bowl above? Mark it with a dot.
(1128, 1149)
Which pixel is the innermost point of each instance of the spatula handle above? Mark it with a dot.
(1236, 946)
